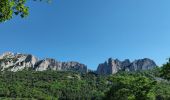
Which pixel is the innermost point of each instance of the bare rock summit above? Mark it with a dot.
(112, 66)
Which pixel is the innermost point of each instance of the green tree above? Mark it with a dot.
(162, 90)
(9, 8)
(165, 72)
(131, 87)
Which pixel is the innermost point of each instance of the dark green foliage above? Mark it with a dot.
(130, 86)
(141, 85)
(165, 72)
(50, 85)
(162, 90)
(9, 8)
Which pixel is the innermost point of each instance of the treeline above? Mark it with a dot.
(53, 85)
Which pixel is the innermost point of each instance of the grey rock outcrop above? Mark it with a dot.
(47, 64)
(142, 64)
(112, 66)
(16, 62)
(74, 66)
(51, 64)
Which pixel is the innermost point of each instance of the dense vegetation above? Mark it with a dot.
(53, 85)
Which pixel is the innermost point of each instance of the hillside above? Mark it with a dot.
(24, 76)
(53, 85)
(48, 85)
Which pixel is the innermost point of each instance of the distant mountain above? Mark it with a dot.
(17, 62)
(112, 66)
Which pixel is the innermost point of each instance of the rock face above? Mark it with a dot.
(16, 62)
(142, 64)
(112, 66)
(60, 66)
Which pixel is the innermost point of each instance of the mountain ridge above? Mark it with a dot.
(112, 66)
(17, 61)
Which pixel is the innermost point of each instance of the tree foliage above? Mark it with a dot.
(10, 7)
(130, 87)
(52, 85)
(165, 72)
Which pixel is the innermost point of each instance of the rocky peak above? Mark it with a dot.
(15, 62)
(7, 55)
(74, 66)
(109, 67)
(142, 64)
(51, 64)
(47, 64)
(125, 65)
(114, 65)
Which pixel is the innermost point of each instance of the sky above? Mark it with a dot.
(91, 31)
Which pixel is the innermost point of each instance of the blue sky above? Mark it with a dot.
(91, 31)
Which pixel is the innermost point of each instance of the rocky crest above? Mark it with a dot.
(17, 62)
(112, 66)
(60, 66)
